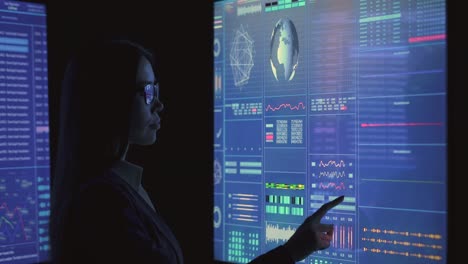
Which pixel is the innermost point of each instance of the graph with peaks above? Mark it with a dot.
(285, 105)
(12, 226)
(278, 233)
(321, 99)
(333, 174)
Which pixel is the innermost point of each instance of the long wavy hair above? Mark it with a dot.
(97, 92)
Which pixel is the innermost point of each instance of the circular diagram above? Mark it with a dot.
(216, 217)
(217, 172)
(217, 47)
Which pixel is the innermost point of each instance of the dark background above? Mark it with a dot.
(457, 129)
(178, 168)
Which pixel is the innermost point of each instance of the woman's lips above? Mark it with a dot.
(155, 126)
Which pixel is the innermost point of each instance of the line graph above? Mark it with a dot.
(400, 119)
(330, 185)
(286, 106)
(332, 174)
(12, 228)
(337, 164)
(427, 38)
(289, 105)
(402, 124)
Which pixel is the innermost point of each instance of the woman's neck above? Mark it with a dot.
(124, 154)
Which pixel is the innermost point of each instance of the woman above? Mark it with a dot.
(100, 211)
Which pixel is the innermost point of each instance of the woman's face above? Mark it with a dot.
(145, 120)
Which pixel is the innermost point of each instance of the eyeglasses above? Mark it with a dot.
(151, 91)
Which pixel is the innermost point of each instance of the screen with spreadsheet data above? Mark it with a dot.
(314, 99)
(24, 133)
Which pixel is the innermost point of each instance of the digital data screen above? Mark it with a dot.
(314, 99)
(24, 133)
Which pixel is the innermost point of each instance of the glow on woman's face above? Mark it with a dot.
(145, 120)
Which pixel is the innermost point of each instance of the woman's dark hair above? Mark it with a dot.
(97, 92)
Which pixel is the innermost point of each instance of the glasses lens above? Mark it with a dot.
(149, 93)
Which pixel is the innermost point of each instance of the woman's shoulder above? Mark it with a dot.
(105, 188)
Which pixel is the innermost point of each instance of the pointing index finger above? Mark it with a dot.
(326, 207)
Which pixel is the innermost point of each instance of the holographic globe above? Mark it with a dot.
(284, 51)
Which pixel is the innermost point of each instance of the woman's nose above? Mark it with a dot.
(158, 106)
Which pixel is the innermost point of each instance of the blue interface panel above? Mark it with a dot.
(316, 99)
(24, 133)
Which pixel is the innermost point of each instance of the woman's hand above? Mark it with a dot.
(312, 235)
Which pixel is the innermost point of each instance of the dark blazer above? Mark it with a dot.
(114, 224)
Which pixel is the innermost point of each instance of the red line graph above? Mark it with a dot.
(297, 107)
(10, 214)
(329, 185)
(427, 38)
(365, 125)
